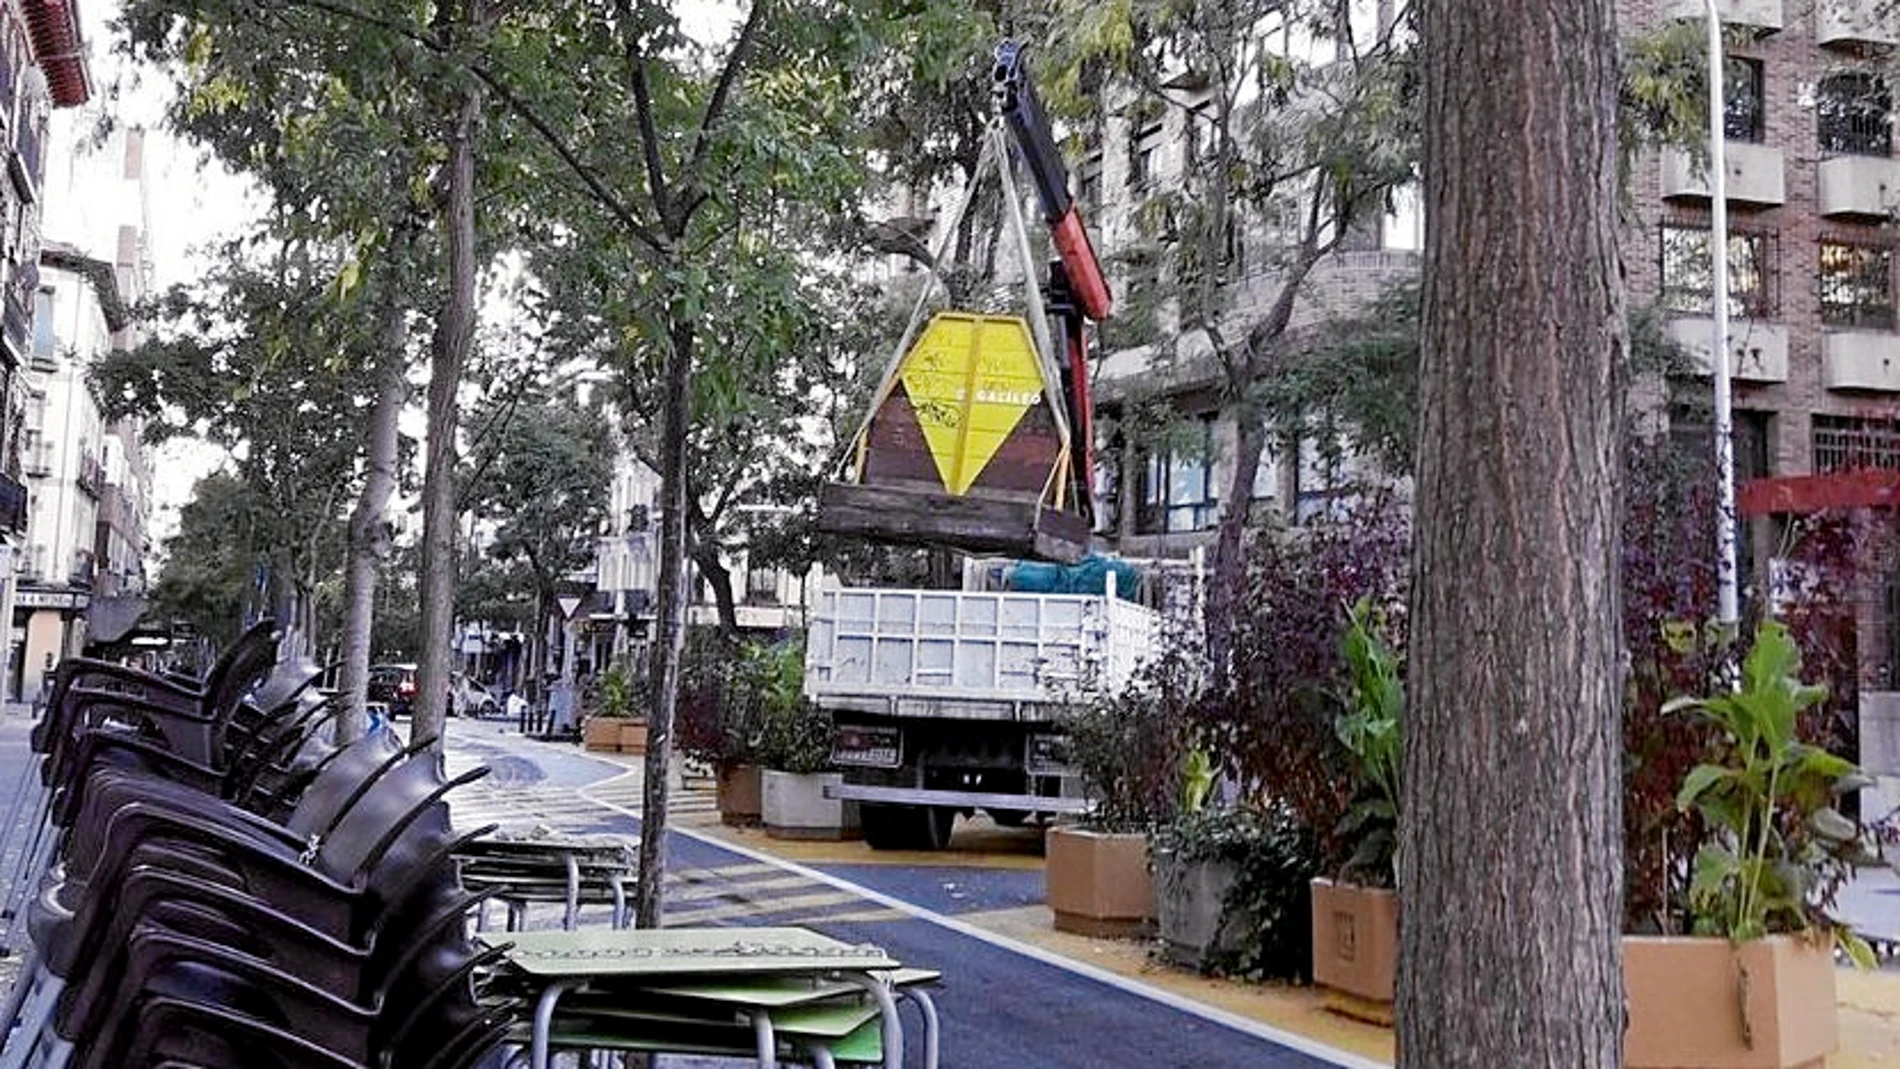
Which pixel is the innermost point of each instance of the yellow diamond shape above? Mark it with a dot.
(970, 379)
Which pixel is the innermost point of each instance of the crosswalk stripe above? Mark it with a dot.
(791, 904)
(861, 917)
(709, 890)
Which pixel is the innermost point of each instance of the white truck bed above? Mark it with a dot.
(962, 647)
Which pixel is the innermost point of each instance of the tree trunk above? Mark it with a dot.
(670, 626)
(454, 334)
(369, 531)
(1511, 843)
(719, 580)
(1230, 544)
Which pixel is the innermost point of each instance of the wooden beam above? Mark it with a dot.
(977, 524)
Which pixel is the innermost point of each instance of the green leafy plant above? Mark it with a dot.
(767, 690)
(1130, 747)
(1265, 928)
(1777, 843)
(616, 692)
(1369, 728)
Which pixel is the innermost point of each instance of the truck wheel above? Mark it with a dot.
(906, 827)
(886, 827)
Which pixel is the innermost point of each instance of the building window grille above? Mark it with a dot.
(1744, 114)
(1687, 281)
(1089, 183)
(1844, 443)
(1177, 490)
(1856, 286)
(761, 586)
(1855, 115)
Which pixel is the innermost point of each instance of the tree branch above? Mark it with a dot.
(722, 91)
(649, 137)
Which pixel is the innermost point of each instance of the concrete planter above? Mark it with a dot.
(1355, 939)
(794, 806)
(601, 733)
(1190, 912)
(739, 793)
(1701, 1003)
(1097, 883)
(633, 736)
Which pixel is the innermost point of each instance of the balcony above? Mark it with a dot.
(16, 325)
(1754, 175)
(92, 476)
(1856, 23)
(1758, 350)
(1861, 361)
(1763, 16)
(83, 568)
(12, 504)
(23, 163)
(1859, 187)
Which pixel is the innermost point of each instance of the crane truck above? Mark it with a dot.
(951, 701)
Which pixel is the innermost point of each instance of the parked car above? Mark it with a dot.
(470, 698)
(393, 685)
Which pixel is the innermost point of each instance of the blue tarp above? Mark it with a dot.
(1087, 576)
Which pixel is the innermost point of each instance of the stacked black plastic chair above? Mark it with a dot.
(228, 889)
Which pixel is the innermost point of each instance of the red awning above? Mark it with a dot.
(54, 27)
(1806, 494)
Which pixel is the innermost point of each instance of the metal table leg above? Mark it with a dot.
(572, 920)
(821, 1058)
(893, 1025)
(767, 1041)
(622, 918)
(928, 1010)
(544, 1020)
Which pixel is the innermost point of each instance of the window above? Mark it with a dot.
(1856, 286)
(1177, 486)
(761, 586)
(1854, 113)
(1844, 443)
(1088, 183)
(1234, 256)
(1687, 284)
(1198, 146)
(1744, 113)
(43, 344)
(1143, 153)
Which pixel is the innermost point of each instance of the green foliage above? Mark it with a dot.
(767, 690)
(1131, 747)
(1371, 730)
(1769, 800)
(1269, 903)
(616, 692)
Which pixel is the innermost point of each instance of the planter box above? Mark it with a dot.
(1097, 883)
(794, 806)
(739, 794)
(1355, 939)
(601, 733)
(633, 736)
(1189, 911)
(1699, 1003)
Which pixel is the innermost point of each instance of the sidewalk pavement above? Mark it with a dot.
(1869, 1002)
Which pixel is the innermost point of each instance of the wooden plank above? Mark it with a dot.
(977, 524)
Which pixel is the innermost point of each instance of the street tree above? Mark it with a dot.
(1302, 122)
(538, 472)
(281, 96)
(249, 361)
(1510, 854)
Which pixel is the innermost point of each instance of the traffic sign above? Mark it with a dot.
(568, 603)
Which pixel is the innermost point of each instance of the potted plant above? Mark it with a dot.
(1356, 915)
(1232, 883)
(794, 747)
(1127, 749)
(720, 721)
(615, 705)
(1753, 984)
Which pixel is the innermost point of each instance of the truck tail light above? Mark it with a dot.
(860, 746)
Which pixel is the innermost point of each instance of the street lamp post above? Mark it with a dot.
(1727, 610)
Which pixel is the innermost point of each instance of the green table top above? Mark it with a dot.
(684, 952)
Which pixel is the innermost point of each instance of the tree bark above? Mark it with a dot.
(1230, 543)
(369, 532)
(454, 335)
(670, 627)
(1510, 848)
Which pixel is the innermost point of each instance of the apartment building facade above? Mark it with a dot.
(42, 68)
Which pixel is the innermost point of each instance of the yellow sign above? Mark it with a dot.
(970, 379)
